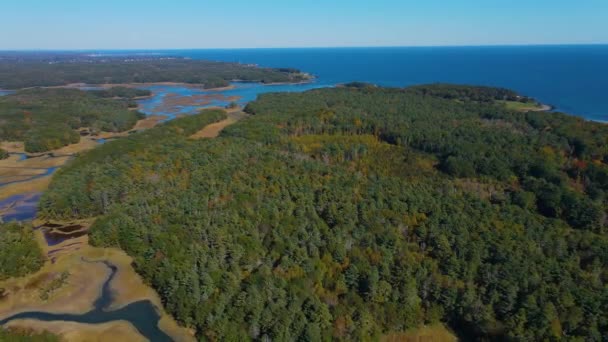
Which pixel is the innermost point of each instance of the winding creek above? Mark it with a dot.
(47, 172)
(143, 315)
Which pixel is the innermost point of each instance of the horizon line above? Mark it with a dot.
(304, 47)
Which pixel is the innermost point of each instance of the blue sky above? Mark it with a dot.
(155, 24)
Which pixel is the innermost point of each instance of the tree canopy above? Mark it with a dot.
(356, 212)
(19, 251)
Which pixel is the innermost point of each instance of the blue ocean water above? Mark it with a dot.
(573, 79)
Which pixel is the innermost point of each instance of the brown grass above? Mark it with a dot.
(214, 129)
(433, 333)
(149, 122)
(12, 165)
(78, 332)
(85, 144)
(12, 146)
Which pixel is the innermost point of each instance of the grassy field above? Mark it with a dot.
(213, 130)
(522, 106)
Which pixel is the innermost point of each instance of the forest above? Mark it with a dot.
(19, 251)
(47, 118)
(23, 72)
(121, 93)
(356, 212)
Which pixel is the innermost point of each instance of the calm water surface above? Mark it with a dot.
(571, 78)
(21, 207)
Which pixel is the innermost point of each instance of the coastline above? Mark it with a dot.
(544, 108)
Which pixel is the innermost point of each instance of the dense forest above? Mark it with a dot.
(355, 212)
(19, 251)
(47, 119)
(22, 73)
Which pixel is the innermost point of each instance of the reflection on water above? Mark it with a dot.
(143, 315)
(22, 207)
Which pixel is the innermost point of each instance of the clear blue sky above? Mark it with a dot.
(155, 24)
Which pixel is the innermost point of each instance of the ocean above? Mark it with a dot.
(573, 78)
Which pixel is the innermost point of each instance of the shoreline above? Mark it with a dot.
(544, 108)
